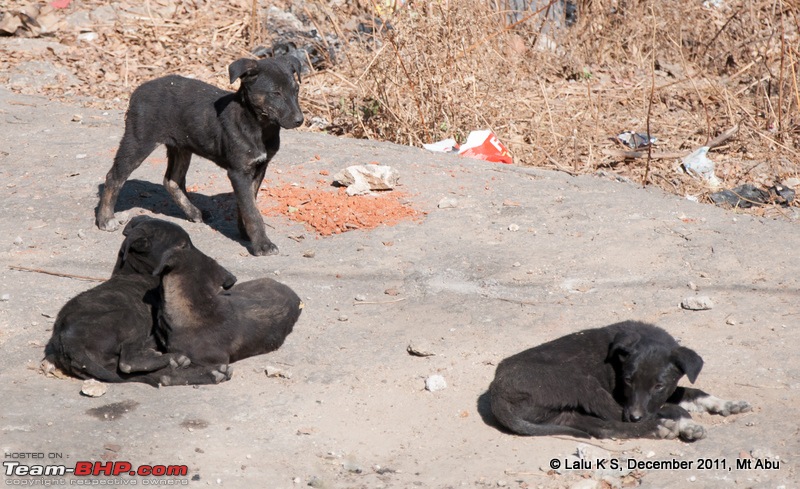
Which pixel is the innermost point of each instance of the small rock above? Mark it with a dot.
(651, 454)
(81, 234)
(296, 480)
(692, 286)
(502, 483)
(730, 322)
(18, 241)
(80, 156)
(93, 388)
(361, 179)
(360, 298)
(309, 254)
(316, 482)
(352, 467)
(277, 372)
(77, 118)
(448, 203)
(391, 291)
(763, 453)
(697, 303)
(435, 383)
(343, 318)
(513, 227)
(517, 264)
(5, 297)
(419, 350)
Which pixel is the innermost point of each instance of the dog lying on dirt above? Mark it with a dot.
(106, 332)
(238, 131)
(207, 318)
(614, 382)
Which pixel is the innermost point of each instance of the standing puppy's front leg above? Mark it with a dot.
(249, 217)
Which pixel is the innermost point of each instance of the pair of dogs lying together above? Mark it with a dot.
(172, 315)
(169, 315)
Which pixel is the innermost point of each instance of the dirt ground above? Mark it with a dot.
(524, 256)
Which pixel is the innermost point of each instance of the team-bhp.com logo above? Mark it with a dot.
(86, 469)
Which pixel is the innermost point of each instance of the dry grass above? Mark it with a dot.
(555, 96)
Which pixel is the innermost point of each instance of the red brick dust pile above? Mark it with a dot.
(331, 212)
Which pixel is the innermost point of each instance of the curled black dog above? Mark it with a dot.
(106, 332)
(207, 318)
(620, 381)
(239, 131)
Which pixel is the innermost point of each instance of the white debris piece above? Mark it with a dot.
(361, 179)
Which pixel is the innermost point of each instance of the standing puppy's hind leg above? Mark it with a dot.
(130, 155)
(175, 181)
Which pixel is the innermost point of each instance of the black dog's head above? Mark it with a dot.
(203, 271)
(270, 89)
(146, 241)
(648, 370)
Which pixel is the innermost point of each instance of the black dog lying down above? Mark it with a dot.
(212, 321)
(238, 131)
(106, 332)
(614, 382)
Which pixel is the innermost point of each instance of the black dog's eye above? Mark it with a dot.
(627, 380)
(658, 387)
(276, 94)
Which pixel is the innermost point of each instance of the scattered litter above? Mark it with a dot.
(636, 140)
(444, 146)
(93, 388)
(361, 179)
(435, 383)
(697, 303)
(748, 195)
(420, 350)
(482, 145)
(698, 165)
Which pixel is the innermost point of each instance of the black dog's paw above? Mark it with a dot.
(684, 428)
(726, 408)
(108, 224)
(181, 361)
(222, 373)
(265, 249)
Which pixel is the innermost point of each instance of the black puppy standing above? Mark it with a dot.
(239, 131)
(620, 381)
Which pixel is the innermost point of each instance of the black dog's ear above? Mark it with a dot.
(136, 239)
(622, 345)
(133, 223)
(230, 280)
(688, 361)
(242, 68)
(167, 260)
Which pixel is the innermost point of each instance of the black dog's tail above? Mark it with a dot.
(504, 413)
(77, 363)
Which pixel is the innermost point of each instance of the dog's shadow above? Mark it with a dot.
(484, 407)
(219, 211)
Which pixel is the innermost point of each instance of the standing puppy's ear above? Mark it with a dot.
(242, 68)
(622, 345)
(688, 361)
(295, 64)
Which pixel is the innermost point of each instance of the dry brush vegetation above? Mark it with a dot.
(685, 72)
